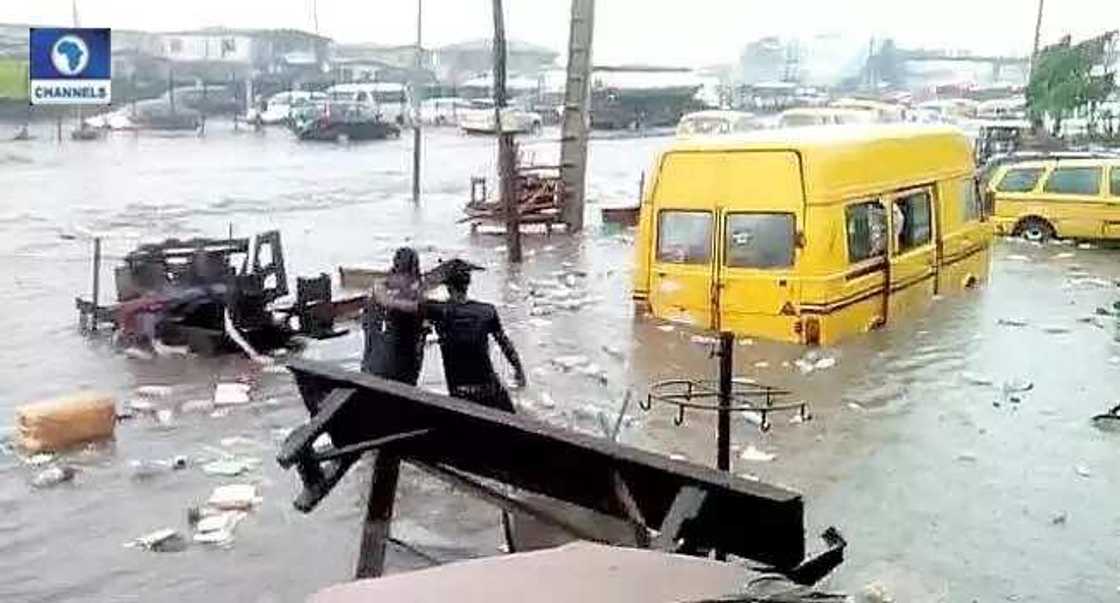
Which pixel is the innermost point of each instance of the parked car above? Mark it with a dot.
(479, 119)
(387, 100)
(444, 111)
(279, 107)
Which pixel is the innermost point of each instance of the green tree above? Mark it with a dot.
(1066, 78)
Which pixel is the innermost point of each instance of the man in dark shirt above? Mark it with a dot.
(464, 327)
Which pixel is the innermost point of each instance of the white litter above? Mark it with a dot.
(677, 457)
(37, 460)
(1018, 258)
(1055, 329)
(218, 529)
(854, 406)
(227, 467)
(747, 341)
(154, 391)
(539, 323)
(165, 417)
(761, 364)
(1065, 255)
(197, 406)
(1086, 246)
(154, 540)
(804, 366)
(615, 351)
(744, 380)
(826, 363)
(754, 455)
(703, 340)
(1082, 471)
(141, 405)
(666, 328)
(138, 354)
(547, 401)
(231, 394)
(234, 497)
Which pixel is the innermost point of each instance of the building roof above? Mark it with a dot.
(486, 44)
(243, 31)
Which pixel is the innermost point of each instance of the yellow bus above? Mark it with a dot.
(810, 235)
(1074, 198)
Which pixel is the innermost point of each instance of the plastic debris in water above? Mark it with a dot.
(855, 406)
(1082, 471)
(1015, 386)
(166, 540)
(1018, 258)
(234, 497)
(976, 379)
(1012, 322)
(228, 467)
(547, 401)
(165, 417)
(39, 459)
(754, 455)
(677, 457)
(154, 391)
(826, 363)
(231, 394)
(747, 341)
(762, 364)
(218, 528)
(703, 340)
(53, 476)
(1055, 329)
(666, 328)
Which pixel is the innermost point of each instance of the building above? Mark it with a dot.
(378, 63)
(457, 63)
(769, 59)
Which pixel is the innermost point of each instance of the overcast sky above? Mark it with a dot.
(692, 32)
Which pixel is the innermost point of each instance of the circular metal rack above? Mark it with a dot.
(704, 395)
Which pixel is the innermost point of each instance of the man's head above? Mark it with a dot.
(406, 262)
(458, 279)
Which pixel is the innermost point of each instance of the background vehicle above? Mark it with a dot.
(823, 116)
(885, 113)
(703, 123)
(444, 111)
(209, 100)
(1075, 198)
(813, 235)
(387, 100)
(479, 119)
(279, 107)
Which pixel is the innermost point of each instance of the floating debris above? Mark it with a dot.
(166, 540)
(826, 363)
(1018, 258)
(1012, 322)
(231, 394)
(547, 401)
(218, 529)
(1086, 246)
(746, 341)
(234, 497)
(762, 364)
(140, 405)
(754, 455)
(1082, 471)
(677, 457)
(1065, 255)
(539, 323)
(703, 340)
(615, 351)
(967, 457)
(53, 476)
(569, 363)
(165, 417)
(875, 592)
(229, 467)
(666, 328)
(154, 391)
(1108, 421)
(855, 406)
(1055, 329)
(1058, 519)
(1016, 386)
(40, 459)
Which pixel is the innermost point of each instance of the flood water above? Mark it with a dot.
(945, 488)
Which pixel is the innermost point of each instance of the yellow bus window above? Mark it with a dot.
(913, 227)
(1020, 180)
(1114, 187)
(759, 240)
(970, 201)
(867, 231)
(684, 237)
(1074, 181)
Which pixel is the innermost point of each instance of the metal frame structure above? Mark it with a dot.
(670, 505)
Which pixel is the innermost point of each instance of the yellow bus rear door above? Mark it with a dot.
(912, 247)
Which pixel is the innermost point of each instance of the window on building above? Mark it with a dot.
(759, 240)
(176, 45)
(1074, 181)
(1019, 180)
(1114, 187)
(970, 209)
(913, 224)
(229, 46)
(867, 231)
(684, 237)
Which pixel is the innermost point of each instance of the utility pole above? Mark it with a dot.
(315, 15)
(1037, 35)
(506, 150)
(577, 118)
(416, 104)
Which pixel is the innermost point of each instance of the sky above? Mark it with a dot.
(665, 32)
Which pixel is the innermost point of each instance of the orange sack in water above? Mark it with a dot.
(55, 424)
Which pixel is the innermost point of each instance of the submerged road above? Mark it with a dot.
(946, 489)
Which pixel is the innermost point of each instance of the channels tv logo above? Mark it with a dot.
(70, 55)
(70, 66)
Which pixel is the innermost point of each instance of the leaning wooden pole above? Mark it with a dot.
(577, 118)
(506, 149)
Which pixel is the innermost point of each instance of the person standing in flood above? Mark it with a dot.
(465, 327)
(394, 339)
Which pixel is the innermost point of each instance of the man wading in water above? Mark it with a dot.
(394, 339)
(464, 327)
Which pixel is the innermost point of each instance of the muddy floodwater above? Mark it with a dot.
(948, 486)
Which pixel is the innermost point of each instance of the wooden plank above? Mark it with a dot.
(750, 519)
(686, 507)
(379, 516)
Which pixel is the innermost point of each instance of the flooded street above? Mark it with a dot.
(945, 487)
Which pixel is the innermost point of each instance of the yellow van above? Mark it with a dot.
(809, 235)
(1075, 198)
